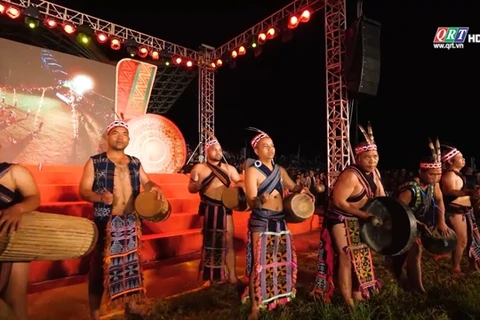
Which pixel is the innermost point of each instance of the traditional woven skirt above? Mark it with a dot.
(360, 256)
(214, 247)
(272, 259)
(122, 268)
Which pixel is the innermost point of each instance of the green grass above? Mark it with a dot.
(447, 298)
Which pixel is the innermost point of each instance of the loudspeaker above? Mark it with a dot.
(362, 57)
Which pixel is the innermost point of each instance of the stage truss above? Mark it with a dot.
(167, 91)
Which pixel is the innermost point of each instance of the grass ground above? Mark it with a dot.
(447, 298)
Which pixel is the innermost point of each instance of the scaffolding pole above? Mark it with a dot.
(206, 105)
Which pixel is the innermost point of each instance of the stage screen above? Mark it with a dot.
(54, 107)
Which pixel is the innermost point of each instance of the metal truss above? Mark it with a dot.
(68, 15)
(206, 105)
(338, 124)
(170, 83)
(272, 21)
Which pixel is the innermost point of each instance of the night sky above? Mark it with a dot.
(424, 92)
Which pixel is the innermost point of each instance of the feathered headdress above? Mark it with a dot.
(436, 156)
(449, 152)
(259, 136)
(211, 140)
(370, 140)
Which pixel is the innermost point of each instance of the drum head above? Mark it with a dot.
(147, 205)
(398, 230)
(230, 197)
(436, 244)
(303, 206)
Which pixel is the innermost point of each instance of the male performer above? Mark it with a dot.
(18, 195)
(210, 179)
(423, 195)
(112, 180)
(271, 259)
(354, 187)
(459, 211)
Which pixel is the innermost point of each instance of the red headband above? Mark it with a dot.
(365, 148)
(450, 154)
(210, 143)
(257, 139)
(116, 123)
(431, 165)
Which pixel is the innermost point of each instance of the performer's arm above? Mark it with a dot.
(194, 184)
(440, 209)
(86, 184)
(379, 183)
(451, 186)
(251, 188)
(147, 184)
(235, 177)
(25, 184)
(289, 183)
(405, 197)
(344, 188)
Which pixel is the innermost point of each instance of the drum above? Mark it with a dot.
(5, 312)
(398, 228)
(235, 199)
(320, 188)
(436, 244)
(298, 207)
(149, 208)
(48, 236)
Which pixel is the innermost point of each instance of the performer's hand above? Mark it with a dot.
(107, 197)
(159, 192)
(424, 227)
(308, 193)
(375, 221)
(10, 220)
(443, 229)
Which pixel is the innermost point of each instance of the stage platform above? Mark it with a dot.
(179, 236)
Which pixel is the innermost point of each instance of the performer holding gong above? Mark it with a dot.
(423, 195)
(18, 195)
(271, 260)
(210, 180)
(340, 233)
(459, 210)
(112, 180)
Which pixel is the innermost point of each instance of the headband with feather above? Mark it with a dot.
(259, 136)
(211, 140)
(115, 124)
(436, 156)
(449, 152)
(370, 140)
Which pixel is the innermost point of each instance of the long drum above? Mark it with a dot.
(235, 199)
(434, 243)
(5, 312)
(149, 208)
(48, 236)
(398, 228)
(298, 207)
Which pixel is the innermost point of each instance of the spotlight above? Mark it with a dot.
(262, 38)
(69, 28)
(142, 52)
(189, 64)
(115, 44)
(85, 33)
(219, 62)
(271, 33)
(213, 65)
(253, 42)
(177, 60)
(131, 46)
(305, 16)
(155, 55)
(13, 12)
(234, 54)
(32, 17)
(2, 8)
(102, 37)
(50, 23)
(242, 51)
(293, 22)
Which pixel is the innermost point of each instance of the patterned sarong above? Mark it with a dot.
(122, 269)
(214, 248)
(275, 262)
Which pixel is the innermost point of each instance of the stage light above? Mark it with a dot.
(50, 23)
(131, 46)
(262, 38)
(219, 62)
(189, 64)
(305, 16)
(155, 55)
(69, 28)
(253, 42)
(32, 17)
(85, 33)
(212, 65)
(293, 22)
(2, 9)
(271, 33)
(115, 44)
(177, 60)
(142, 52)
(234, 54)
(242, 51)
(13, 12)
(102, 37)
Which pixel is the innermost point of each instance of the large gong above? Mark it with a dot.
(398, 228)
(158, 143)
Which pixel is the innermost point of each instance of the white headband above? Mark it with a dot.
(116, 123)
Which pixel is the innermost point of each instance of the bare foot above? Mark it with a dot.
(458, 273)
(206, 284)
(254, 315)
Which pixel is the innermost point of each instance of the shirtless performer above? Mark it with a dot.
(271, 260)
(354, 187)
(112, 180)
(459, 213)
(423, 195)
(209, 180)
(18, 195)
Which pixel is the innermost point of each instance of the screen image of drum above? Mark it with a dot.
(434, 243)
(49, 236)
(398, 228)
(150, 208)
(235, 199)
(298, 207)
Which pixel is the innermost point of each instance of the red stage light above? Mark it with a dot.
(50, 23)
(242, 51)
(271, 33)
(234, 54)
(102, 37)
(189, 64)
(142, 52)
(262, 38)
(13, 13)
(292, 22)
(155, 55)
(219, 62)
(212, 65)
(177, 60)
(68, 28)
(2, 9)
(115, 44)
(305, 17)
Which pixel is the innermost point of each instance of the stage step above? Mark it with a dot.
(69, 192)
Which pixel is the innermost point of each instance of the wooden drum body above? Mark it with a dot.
(149, 208)
(48, 236)
(235, 199)
(5, 312)
(298, 207)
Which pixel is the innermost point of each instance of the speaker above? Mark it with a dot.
(362, 57)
